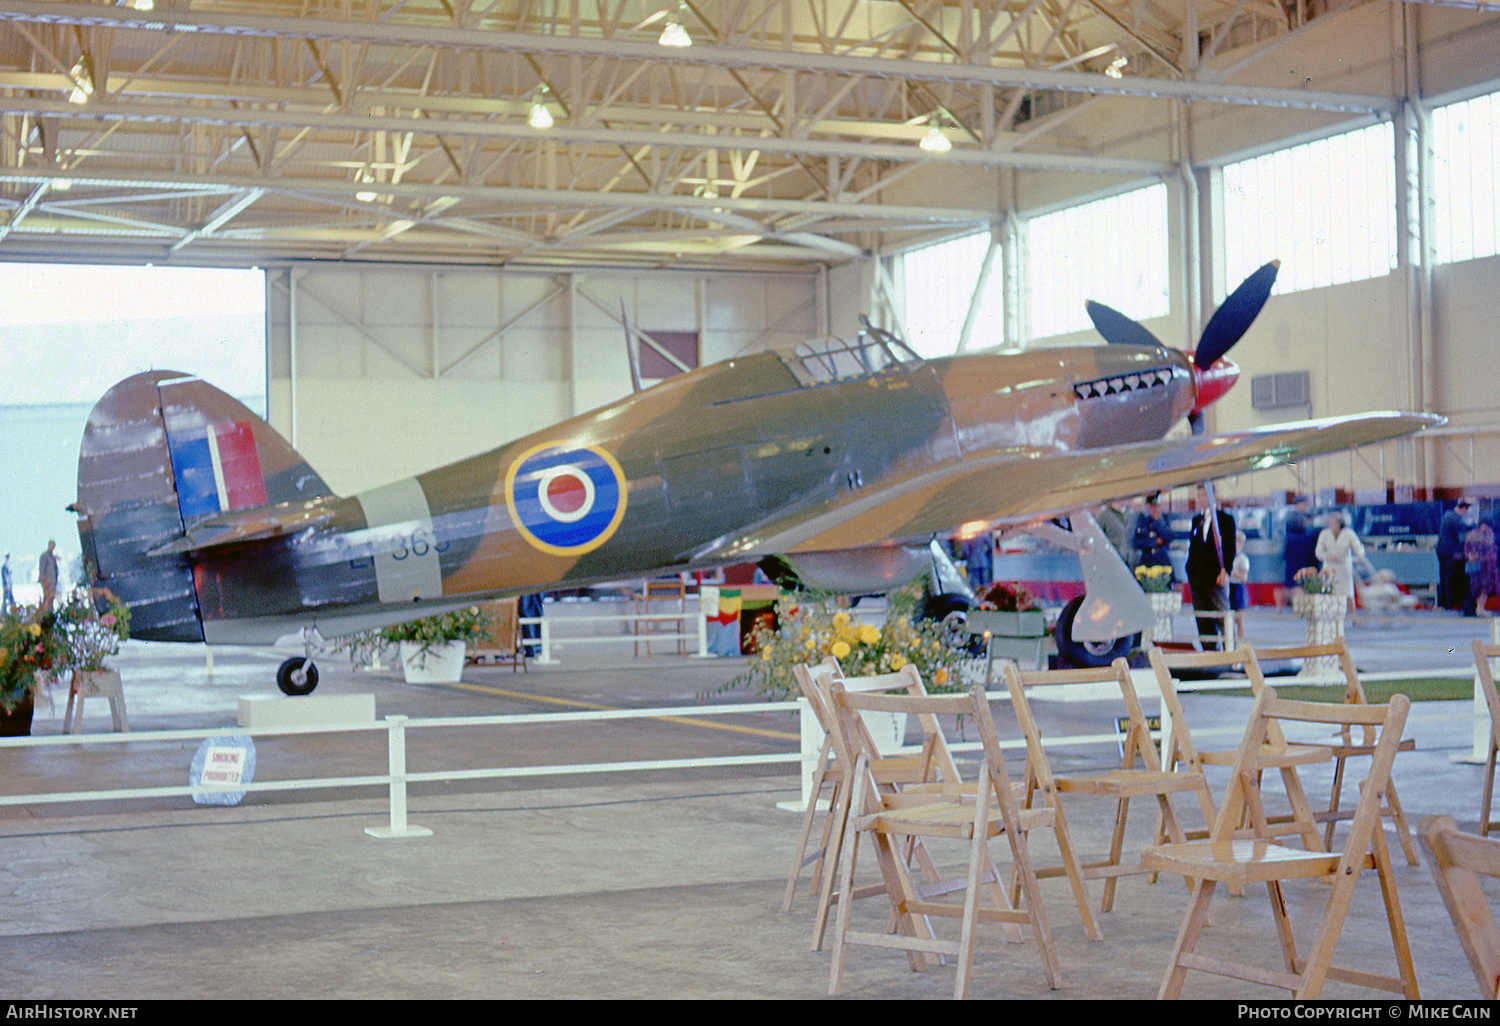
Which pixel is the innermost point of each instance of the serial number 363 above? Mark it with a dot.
(419, 543)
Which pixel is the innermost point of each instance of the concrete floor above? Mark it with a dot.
(640, 885)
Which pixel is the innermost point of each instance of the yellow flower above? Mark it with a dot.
(869, 634)
(897, 661)
(765, 653)
(840, 619)
(941, 676)
(35, 629)
(840, 650)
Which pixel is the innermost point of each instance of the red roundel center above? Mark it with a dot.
(566, 493)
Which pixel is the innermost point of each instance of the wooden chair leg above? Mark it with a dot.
(1333, 801)
(799, 858)
(1398, 820)
(1187, 940)
(1116, 849)
(1484, 800)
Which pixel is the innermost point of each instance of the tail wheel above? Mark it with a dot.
(293, 679)
(1084, 654)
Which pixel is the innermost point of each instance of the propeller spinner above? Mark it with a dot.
(1213, 375)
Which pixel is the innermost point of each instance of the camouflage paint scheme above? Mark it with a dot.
(812, 450)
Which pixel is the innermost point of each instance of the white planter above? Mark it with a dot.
(439, 664)
(1325, 625)
(887, 730)
(1165, 604)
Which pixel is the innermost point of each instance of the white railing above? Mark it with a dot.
(544, 646)
(397, 775)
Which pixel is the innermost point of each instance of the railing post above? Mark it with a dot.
(812, 747)
(702, 621)
(396, 734)
(546, 657)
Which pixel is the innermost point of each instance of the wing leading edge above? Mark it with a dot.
(1023, 486)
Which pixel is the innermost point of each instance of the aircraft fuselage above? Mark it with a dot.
(652, 482)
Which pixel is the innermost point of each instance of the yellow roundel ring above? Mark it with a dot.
(565, 499)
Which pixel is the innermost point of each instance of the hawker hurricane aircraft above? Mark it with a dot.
(843, 459)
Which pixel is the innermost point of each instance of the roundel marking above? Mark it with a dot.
(565, 500)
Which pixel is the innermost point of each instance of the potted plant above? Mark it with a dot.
(31, 648)
(92, 625)
(432, 648)
(1157, 582)
(812, 627)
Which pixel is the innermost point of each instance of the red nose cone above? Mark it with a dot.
(1209, 385)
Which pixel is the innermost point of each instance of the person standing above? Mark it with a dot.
(1298, 550)
(8, 601)
(1211, 553)
(1338, 548)
(1152, 534)
(46, 575)
(1453, 584)
(1480, 567)
(1239, 584)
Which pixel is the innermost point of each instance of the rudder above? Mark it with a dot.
(161, 452)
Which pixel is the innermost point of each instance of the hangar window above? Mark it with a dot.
(1466, 160)
(939, 285)
(1326, 209)
(1112, 250)
(68, 333)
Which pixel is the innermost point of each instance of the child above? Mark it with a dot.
(1239, 577)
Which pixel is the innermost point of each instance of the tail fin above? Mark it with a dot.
(161, 452)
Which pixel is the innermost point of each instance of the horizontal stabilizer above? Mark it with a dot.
(252, 525)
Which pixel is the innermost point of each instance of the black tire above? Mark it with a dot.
(288, 684)
(1086, 654)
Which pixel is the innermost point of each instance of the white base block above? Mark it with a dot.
(272, 711)
(386, 833)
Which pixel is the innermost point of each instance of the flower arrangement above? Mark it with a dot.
(470, 625)
(1007, 598)
(813, 629)
(89, 635)
(1313, 581)
(29, 644)
(1154, 580)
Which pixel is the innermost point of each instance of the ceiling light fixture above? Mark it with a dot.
(366, 196)
(540, 117)
(1116, 67)
(935, 141)
(674, 34)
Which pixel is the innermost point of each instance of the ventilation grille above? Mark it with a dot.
(1277, 391)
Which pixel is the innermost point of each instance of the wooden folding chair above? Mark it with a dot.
(1179, 749)
(1482, 655)
(1139, 776)
(933, 768)
(1346, 747)
(974, 817)
(1457, 862)
(829, 776)
(1259, 859)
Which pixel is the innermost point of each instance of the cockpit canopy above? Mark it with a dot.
(873, 351)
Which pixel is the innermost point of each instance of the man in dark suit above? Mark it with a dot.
(1453, 582)
(1210, 555)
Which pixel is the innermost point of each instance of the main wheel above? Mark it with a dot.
(1084, 654)
(291, 679)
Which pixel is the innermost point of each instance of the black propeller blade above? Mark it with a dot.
(1234, 317)
(1118, 329)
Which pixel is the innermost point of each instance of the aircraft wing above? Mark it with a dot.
(1028, 485)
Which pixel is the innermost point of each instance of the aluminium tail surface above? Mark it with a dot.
(162, 452)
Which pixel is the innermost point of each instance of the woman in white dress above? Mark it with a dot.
(1337, 549)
